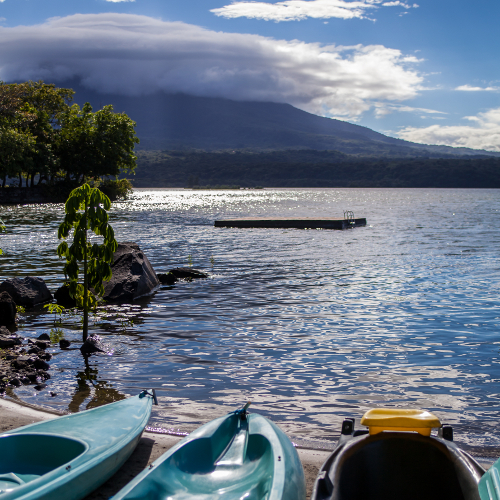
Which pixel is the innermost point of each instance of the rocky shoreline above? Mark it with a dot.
(24, 361)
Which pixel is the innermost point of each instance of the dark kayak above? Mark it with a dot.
(236, 457)
(69, 457)
(397, 458)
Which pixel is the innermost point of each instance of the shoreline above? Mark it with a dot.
(152, 445)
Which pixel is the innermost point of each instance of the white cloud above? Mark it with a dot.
(297, 10)
(383, 109)
(485, 134)
(397, 3)
(469, 88)
(131, 55)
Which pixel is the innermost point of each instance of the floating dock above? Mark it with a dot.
(292, 223)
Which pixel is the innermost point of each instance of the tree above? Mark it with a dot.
(2, 229)
(96, 144)
(83, 213)
(29, 117)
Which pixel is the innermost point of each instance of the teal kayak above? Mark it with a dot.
(238, 456)
(70, 456)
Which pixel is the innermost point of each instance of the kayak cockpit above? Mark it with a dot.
(228, 463)
(398, 458)
(26, 457)
(401, 465)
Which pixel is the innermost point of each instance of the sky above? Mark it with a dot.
(426, 72)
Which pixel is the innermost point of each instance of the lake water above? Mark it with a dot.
(310, 325)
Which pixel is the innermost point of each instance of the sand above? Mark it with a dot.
(151, 446)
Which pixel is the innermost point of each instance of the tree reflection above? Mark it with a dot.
(88, 386)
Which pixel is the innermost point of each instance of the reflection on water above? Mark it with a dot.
(89, 388)
(312, 326)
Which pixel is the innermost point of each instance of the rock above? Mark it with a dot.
(187, 272)
(15, 382)
(39, 387)
(41, 344)
(133, 276)
(64, 344)
(28, 292)
(63, 297)
(23, 362)
(46, 356)
(40, 364)
(44, 336)
(166, 278)
(8, 339)
(32, 377)
(93, 344)
(7, 309)
(53, 394)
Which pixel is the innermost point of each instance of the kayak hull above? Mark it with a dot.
(397, 465)
(226, 459)
(68, 457)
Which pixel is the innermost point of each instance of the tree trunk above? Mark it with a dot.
(20, 181)
(4, 181)
(32, 180)
(85, 279)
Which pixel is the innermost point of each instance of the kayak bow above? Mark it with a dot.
(68, 457)
(238, 456)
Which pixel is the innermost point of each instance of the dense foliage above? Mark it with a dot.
(309, 168)
(45, 139)
(86, 211)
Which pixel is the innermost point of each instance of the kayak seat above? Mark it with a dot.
(192, 470)
(396, 466)
(25, 457)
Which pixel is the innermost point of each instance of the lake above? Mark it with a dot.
(310, 325)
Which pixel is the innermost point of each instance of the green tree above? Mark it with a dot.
(29, 118)
(84, 213)
(2, 229)
(96, 144)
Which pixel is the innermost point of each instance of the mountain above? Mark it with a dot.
(180, 121)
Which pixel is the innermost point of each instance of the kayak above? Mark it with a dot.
(238, 456)
(70, 456)
(398, 458)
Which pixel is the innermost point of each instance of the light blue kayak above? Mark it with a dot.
(239, 456)
(69, 457)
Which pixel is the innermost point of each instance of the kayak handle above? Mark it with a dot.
(243, 412)
(152, 394)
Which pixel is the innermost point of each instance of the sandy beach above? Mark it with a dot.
(151, 446)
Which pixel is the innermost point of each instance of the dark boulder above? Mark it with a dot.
(23, 362)
(64, 344)
(7, 309)
(63, 297)
(8, 339)
(166, 278)
(187, 272)
(133, 276)
(15, 382)
(44, 336)
(28, 291)
(93, 344)
(40, 364)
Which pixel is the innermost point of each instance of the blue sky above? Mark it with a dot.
(426, 71)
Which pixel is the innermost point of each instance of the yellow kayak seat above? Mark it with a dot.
(396, 419)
